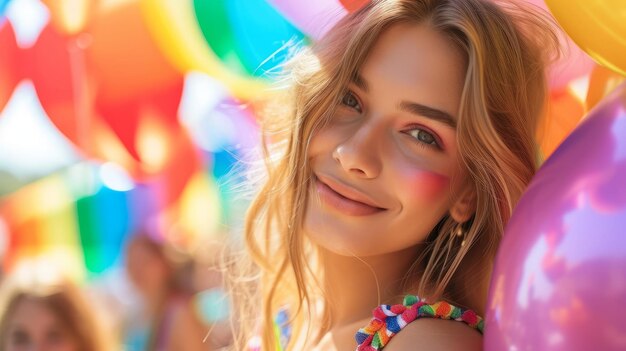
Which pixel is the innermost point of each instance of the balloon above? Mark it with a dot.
(559, 277)
(601, 82)
(597, 26)
(169, 157)
(123, 58)
(3, 7)
(572, 64)
(563, 115)
(149, 130)
(49, 64)
(42, 223)
(175, 30)
(124, 117)
(215, 120)
(70, 16)
(353, 5)
(197, 216)
(314, 18)
(105, 120)
(224, 129)
(246, 34)
(103, 223)
(10, 72)
(57, 68)
(212, 17)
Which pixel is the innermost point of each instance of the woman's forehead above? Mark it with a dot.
(417, 60)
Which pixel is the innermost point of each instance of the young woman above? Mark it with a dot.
(404, 142)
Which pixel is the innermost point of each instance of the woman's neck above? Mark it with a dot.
(357, 285)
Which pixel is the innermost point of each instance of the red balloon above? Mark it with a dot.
(124, 117)
(110, 129)
(59, 80)
(110, 91)
(149, 129)
(353, 5)
(184, 162)
(10, 72)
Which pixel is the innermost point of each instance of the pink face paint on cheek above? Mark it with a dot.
(427, 185)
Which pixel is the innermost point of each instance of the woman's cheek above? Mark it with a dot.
(426, 185)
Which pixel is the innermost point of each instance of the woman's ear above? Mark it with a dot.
(465, 205)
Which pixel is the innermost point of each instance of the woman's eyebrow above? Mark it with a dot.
(428, 112)
(360, 82)
(412, 107)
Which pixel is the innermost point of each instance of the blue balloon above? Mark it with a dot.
(260, 33)
(3, 7)
(103, 219)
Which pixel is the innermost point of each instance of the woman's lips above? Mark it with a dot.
(343, 204)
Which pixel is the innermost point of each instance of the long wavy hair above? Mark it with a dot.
(507, 47)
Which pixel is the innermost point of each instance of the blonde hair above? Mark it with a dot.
(507, 47)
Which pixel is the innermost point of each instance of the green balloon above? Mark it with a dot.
(249, 36)
(213, 20)
(89, 236)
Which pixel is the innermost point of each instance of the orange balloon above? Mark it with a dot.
(70, 16)
(564, 113)
(601, 82)
(24, 238)
(10, 71)
(124, 60)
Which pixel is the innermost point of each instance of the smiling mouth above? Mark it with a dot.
(344, 204)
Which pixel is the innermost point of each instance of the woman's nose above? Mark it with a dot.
(358, 155)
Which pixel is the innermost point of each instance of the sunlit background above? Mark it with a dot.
(129, 118)
(126, 118)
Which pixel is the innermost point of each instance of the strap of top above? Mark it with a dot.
(390, 319)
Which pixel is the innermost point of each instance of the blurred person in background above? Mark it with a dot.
(211, 302)
(171, 318)
(48, 315)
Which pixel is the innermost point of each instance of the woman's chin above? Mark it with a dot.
(340, 239)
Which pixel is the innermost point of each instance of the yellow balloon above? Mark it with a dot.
(174, 27)
(597, 26)
(197, 216)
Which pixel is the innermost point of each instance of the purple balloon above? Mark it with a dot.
(313, 18)
(559, 281)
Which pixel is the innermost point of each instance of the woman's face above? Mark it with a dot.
(34, 326)
(386, 166)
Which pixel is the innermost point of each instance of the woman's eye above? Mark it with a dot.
(351, 101)
(423, 136)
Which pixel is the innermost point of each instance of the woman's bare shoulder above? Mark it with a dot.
(436, 334)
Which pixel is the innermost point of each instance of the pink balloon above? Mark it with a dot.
(574, 62)
(559, 281)
(314, 18)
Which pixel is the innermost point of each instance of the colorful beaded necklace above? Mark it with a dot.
(390, 319)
